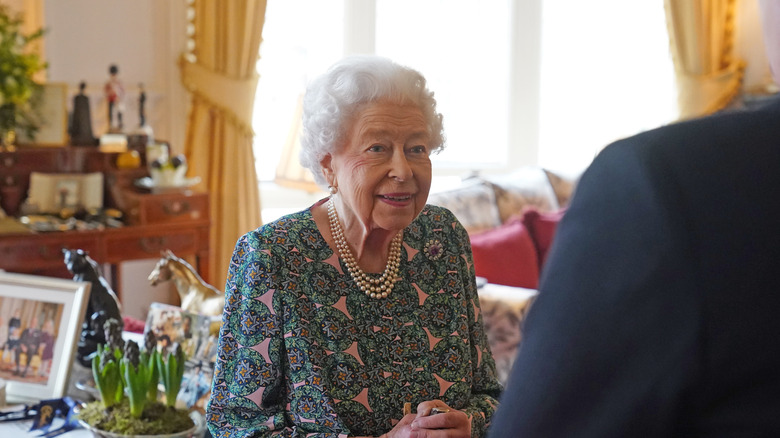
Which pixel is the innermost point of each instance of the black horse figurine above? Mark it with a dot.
(102, 306)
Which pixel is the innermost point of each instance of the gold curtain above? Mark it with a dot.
(33, 21)
(220, 73)
(701, 33)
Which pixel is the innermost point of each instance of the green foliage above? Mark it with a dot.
(106, 375)
(149, 358)
(17, 67)
(171, 372)
(136, 378)
(127, 380)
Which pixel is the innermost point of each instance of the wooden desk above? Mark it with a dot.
(177, 220)
(41, 253)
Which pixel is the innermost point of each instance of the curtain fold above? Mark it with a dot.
(701, 34)
(33, 21)
(221, 76)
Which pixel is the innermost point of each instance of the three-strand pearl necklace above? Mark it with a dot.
(374, 287)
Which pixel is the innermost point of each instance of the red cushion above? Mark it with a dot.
(506, 255)
(132, 324)
(542, 228)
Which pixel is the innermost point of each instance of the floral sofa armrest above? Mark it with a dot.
(503, 311)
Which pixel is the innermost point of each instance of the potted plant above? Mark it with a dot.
(127, 379)
(18, 90)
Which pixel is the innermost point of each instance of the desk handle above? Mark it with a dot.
(152, 245)
(9, 160)
(176, 208)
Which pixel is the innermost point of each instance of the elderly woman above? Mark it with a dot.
(342, 317)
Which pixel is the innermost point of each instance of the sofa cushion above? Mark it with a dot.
(541, 227)
(503, 311)
(528, 186)
(506, 255)
(473, 203)
(563, 185)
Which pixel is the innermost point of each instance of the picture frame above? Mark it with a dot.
(40, 325)
(197, 335)
(51, 192)
(53, 109)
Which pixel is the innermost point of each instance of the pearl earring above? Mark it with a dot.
(333, 190)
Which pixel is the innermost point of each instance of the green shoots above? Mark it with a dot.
(121, 370)
(171, 372)
(136, 376)
(105, 370)
(149, 357)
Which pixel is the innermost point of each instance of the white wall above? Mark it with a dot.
(144, 38)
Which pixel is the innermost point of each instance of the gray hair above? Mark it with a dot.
(334, 97)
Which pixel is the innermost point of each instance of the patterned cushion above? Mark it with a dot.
(527, 186)
(503, 316)
(474, 204)
(563, 186)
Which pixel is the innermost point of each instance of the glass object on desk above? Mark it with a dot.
(156, 151)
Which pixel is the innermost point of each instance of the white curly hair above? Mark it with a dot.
(335, 96)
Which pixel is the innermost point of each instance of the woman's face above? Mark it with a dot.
(383, 167)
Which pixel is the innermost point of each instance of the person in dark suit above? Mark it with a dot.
(659, 309)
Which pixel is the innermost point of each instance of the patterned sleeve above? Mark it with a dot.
(248, 391)
(486, 387)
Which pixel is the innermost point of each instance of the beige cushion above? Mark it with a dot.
(527, 186)
(563, 185)
(473, 203)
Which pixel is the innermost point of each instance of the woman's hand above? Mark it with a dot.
(403, 429)
(449, 423)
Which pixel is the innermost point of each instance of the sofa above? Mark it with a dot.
(511, 220)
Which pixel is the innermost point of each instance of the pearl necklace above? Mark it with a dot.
(379, 287)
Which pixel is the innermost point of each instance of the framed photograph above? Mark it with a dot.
(53, 108)
(51, 192)
(197, 335)
(40, 324)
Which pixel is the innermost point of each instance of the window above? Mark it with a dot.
(295, 47)
(518, 81)
(465, 58)
(602, 78)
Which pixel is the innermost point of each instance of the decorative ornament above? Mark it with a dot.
(433, 249)
(374, 287)
(333, 190)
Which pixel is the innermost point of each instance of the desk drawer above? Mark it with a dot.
(35, 254)
(150, 245)
(166, 208)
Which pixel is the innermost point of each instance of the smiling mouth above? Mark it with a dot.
(396, 198)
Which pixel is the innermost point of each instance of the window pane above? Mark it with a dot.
(606, 74)
(296, 46)
(462, 48)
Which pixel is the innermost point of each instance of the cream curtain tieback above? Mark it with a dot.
(233, 97)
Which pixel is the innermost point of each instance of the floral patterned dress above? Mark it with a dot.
(303, 352)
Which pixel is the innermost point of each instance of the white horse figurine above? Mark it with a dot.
(196, 295)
